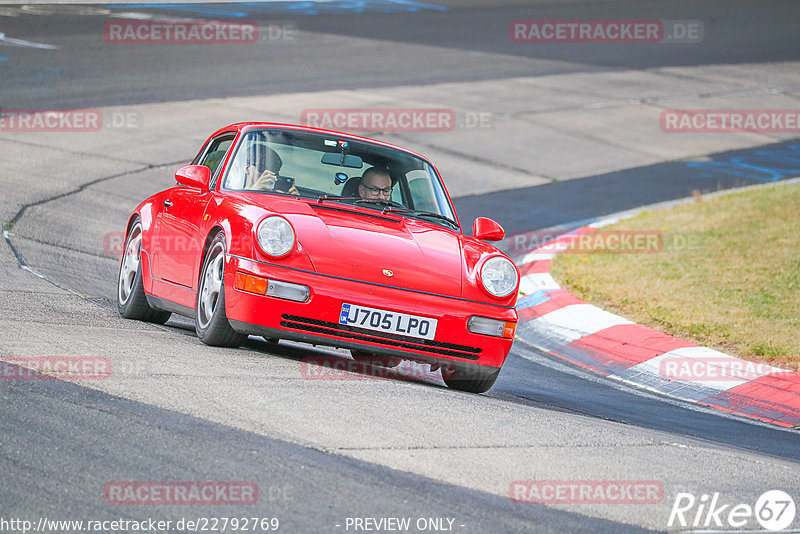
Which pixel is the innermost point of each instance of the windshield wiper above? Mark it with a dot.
(379, 202)
(335, 198)
(422, 214)
(393, 207)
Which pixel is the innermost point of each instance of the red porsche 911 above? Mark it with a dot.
(289, 232)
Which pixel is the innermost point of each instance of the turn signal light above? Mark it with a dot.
(250, 283)
(491, 327)
(272, 288)
(509, 330)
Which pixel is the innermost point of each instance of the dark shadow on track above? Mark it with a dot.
(115, 439)
(561, 386)
(585, 199)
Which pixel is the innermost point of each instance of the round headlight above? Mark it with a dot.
(275, 236)
(499, 276)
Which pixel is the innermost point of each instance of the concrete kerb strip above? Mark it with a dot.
(558, 323)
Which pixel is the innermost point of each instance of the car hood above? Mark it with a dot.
(362, 244)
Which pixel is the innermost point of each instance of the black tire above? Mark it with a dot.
(210, 321)
(390, 362)
(131, 300)
(471, 381)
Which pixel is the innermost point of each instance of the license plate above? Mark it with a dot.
(391, 322)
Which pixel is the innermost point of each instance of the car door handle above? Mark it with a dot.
(167, 203)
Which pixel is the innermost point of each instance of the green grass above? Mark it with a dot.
(728, 276)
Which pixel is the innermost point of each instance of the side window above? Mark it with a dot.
(397, 195)
(215, 154)
(419, 183)
(248, 169)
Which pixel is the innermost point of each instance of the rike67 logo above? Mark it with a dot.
(773, 510)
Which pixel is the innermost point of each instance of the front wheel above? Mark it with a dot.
(211, 322)
(131, 300)
(470, 380)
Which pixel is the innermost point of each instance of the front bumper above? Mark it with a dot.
(317, 319)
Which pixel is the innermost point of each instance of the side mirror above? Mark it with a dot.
(487, 229)
(194, 176)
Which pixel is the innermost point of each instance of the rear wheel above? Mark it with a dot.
(211, 322)
(470, 380)
(131, 300)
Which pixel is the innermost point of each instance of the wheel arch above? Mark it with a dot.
(210, 236)
(131, 221)
(147, 281)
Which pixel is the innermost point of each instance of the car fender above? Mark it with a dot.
(474, 253)
(238, 220)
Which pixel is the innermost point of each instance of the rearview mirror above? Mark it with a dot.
(342, 160)
(487, 229)
(194, 176)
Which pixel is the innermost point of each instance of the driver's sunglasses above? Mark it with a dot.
(378, 190)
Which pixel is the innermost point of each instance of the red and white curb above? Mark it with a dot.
(558, 323)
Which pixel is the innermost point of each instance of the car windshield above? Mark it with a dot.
(340, 169)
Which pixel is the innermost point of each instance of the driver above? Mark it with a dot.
(376, 184)
(262, 167)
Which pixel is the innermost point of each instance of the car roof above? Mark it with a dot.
(239, 126)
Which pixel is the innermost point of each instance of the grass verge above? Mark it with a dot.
(725, 274)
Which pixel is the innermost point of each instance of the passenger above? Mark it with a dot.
(262, 168)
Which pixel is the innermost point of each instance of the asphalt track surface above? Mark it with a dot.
(734, 32)
(56, 433)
